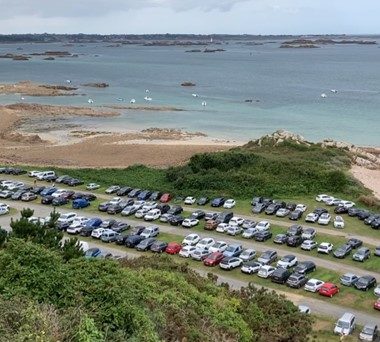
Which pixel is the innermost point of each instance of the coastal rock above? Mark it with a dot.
(193, 50)
(52, 53)
(49, 59)
(188, 84)
(15, 57)
(279, 137)
(96, 85)
(207, 50)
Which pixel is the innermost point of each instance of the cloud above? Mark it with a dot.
(94, 8)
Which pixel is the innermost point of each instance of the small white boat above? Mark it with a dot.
(22, 98)
(146, 98)
(194, 95)
(323, 95)
(68, 81)
(90, 101)
(120, 99)
(147, 90)
(132, 101)
(204, 103)
(334, 91)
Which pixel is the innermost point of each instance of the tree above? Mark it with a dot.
(27, 212)
(71, 249)
(3, 236)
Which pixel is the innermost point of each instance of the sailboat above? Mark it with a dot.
(90, 101)
(194, 95)
(334, 91)
(204, 103)
(146, 98)
(323, 95)
(132, 101)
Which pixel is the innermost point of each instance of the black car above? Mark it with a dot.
(291, 206)
(61, 179)
(320, 211)
(107, 224)
(341, 210)
(224, 217)
(137, 230)
(159, 246)
(133, 240)
(176, 220)
(363, 214)
(295, 215)
(37, 189)
(47, 199)
(121, 239)
(119, 227)
(211, 216)
(144, 195)
(280, 239)
(114, 209)
(175, 210)
(145, 244)
(257, 200)
(355, 243)
(295, 229)
(353, 212)
(198, 214)
(203, 201)
(294, 241)
(63, 225)
(263, 236)
(164, 208)
(305, 267)
(273, 208)
(372, 218)
(155, 196)
(375, 224)
(259, 207)
(58, 201)
(74, 182)
(124, 191)
(51, 178)
(365, 283)
(17, 195)
(297, 280)
(89, 197)
(103, 206)
(342, 251)
(280, 275)
(218, 202)
(134, 192)
(86, 231)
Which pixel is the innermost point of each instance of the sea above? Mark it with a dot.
(285, 86)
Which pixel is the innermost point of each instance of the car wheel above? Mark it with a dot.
(331, 296)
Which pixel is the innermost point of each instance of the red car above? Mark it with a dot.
(173, 248)
(328, 290)
(165, 198)
(376, 306)
(213, 259)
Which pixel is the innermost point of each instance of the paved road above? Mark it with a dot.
(43, 211)
(317, 306)
(321, 230)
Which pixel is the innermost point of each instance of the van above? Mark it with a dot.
(45, 174)
(109, 236)
(346, 324)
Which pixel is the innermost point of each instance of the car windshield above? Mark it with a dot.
(343, 324)
(311, 283)
(213, 256)
(346, 278)
(361, 251)
(230, 249)
(368, 330)
(363, 281)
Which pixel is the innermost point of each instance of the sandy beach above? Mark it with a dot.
(368, 177)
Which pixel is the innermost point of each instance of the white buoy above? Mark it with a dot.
(132, 101)
(146, 98)
(90, 101)
(334, 91)
(194, 95)
(147, 90)
(68, 81)
(22, 98)
(323, 95)
(204, 103)
(120, 99)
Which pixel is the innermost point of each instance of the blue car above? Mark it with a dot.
(92, 253)
(93, 223)
(48, 191)
(80, 203)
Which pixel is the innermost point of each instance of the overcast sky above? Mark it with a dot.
(190, 16)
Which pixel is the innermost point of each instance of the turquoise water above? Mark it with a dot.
(287, 82)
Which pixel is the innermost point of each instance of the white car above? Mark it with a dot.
(308, 245)
(141, 213)
(347, 204)
(308, 233)
(115, 201)
(4, 211)
(313, 285)
(333, 201)
(304, 309)
(324, 219)
(234, 230)
(149, 205)
(282, 212)
(339, 222)
(249, 233)
(251, 267)
(287, 261)
(322, 198)
(67, 218)
(191, 240)
(35, 220)
(236, 221)
(58, 193)
(200, 254)
(247, 254)
(263, 225)
(230, 263)
(6, 193)
(112, 189)
(312, 217)
(301, 207)
(186, 251)
(218, 246)
(190, 200)
(205, 243)
(265, 271)
(34, 173)
(15, 185)
(190, 222)
(4, 205)
(92, 186)
(97, 233)
(325, 247)
(152, 215)
(79, 221)
(376, 291)
(229, 204)
(222, 227)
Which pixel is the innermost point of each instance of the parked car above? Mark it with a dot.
(376, 305)
(273, 208)
(218, 202)
(308, 233)
(265, 271)
(361, 254)
(229, 263)
(376, 291)
(295, 229)
(229, 203)
(150, 232)
(354, 243)
(267, 257)
(200, 254)
(328, 290)
(28, 196)
(297, 280)
(247, 254)
(175, 210)
(313, 285)
(130, 210)
(259, 208)
(92, 253)
(280, 239)
(294, 241)
(80, 203)
(248, 224)
(251, 267)
(262, 236)
(282, 212)
(263, 225)
(198, 214)
(190, 222)
(133, 240)
(145, 244)
(211, 216)
(205, 243)
(191, 239)
(365, 283)
(203, 201)
(325, 247)
(176, 220)
(58, 201)
(173, 248)
(338, 222)
(324, 219)
(222, 227)
(109, 235)
(249, 233)
(134, 193)
(218, 246)
(311, 217)
(186, 251)
(234, 230)
(342, 251)
(165, 198)
(124, 191)
(305, 267)
(233, 250)
(280, 275)
(153, 214)
(345, 325)
(112, 189)
(287, 261)
(97, 233)
(158, 246)
(349, 279)
(369, 332)
(295, 215)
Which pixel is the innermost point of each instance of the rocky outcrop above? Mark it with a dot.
(188, 84)
(15, 57)
(279, 137)
(96, 85)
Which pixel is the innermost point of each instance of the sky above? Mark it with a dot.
(190, 16)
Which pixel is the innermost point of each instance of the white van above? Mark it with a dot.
(150, 232)
(45, 174)
(346, 324)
